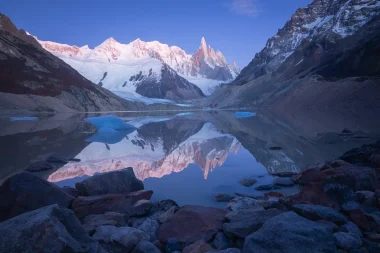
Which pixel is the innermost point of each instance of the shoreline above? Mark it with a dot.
(337, 209)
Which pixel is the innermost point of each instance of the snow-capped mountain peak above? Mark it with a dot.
(206, 68)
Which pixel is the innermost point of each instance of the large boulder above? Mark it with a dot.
(317, 212)
(122, 181)
(361, 155)
(192, 223)
(84, 206)
(347, 241)
(245, 222)
(289, 232)
(25, 192)
(127, 237)
(239, 203)
(50, 229)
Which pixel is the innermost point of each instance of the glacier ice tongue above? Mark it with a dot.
(108, 123)
(240, 115)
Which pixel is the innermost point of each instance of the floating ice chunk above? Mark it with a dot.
(109, 135)
(184, 114)
(108, 123)
(23, 118)
(240, 115)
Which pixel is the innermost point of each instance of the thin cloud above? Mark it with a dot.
(243, 7)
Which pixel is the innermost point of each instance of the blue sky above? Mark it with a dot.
(238, 28)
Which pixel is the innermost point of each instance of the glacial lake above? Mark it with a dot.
(185, 156)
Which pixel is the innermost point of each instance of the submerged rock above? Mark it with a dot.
(25, 192)
(48, 229)
(267, 187)
(247, 182)
(283, 181)
(192, 223)
(289, 232)
(123, 181)
(222, 197)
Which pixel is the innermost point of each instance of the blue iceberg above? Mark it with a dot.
(109, 136)
(109, 122)
(23, 118)
(111, 129)
(240, 115)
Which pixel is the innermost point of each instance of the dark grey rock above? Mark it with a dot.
(48, 229)
(239, 203)
(161, 207)
(267, 187)
(146, 247)
(25, 192)
(347, 241)
(339, 193)
(57, 159)
(222, 197)
(317, 212)
(93, 221)
(352, 228)
(40, 166)
(350, 205)
(230, 250)
(149, 226)
(248, 181)
(284, 174)
(166, 215)
(128, 237)
(289, 232)
(122, 181)
(244, 222)
(221, 241)
(140, 208)
(283, 181)
(71, 191)
(173, 245)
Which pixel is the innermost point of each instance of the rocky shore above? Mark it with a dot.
(336, 210)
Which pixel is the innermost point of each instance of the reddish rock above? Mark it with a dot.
(140, 195)
(192, 223)
(310, 194)
(356, 178)
(340, 163)
(84, 206)
(359, 218)
(307, 176)
(198, 247)
(273, 195)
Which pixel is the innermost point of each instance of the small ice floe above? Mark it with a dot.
(240, 115)
(111, 129)
(23, 118)
(184, 114)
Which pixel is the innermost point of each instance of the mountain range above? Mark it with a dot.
(325, 56)
(150, 69)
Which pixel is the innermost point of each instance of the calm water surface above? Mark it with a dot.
(187, 157)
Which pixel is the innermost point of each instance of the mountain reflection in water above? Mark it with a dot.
(187, 157)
